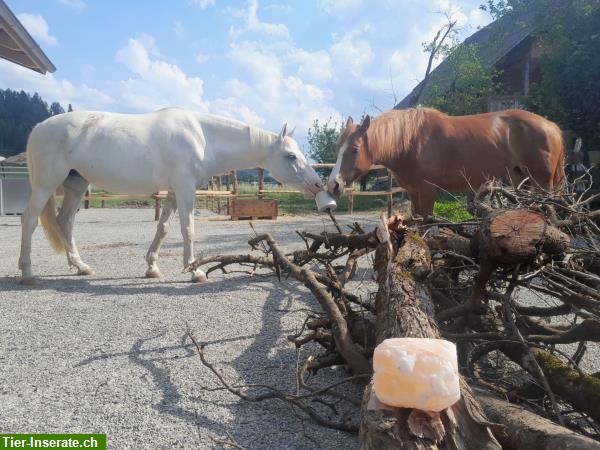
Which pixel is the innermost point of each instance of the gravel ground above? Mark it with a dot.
(108, 353)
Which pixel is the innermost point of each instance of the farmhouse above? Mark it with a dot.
(508, 45)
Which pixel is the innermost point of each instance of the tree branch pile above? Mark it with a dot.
(516, 287)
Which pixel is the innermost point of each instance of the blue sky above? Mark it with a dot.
(261, 61)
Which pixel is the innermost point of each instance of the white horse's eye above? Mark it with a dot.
(291, 156)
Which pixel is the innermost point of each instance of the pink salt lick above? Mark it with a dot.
(417, 373)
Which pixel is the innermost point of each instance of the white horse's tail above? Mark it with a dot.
(48, 215)
(50, 226)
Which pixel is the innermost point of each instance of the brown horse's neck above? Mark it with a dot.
(378, 150)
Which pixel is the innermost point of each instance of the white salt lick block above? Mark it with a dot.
(417, 373)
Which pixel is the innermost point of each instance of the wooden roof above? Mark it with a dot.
(17, 45)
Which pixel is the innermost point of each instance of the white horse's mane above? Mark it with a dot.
(257, 136)
(261, 138)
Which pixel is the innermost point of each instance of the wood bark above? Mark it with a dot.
(580, 390)
(404, 309)
(517, 236)
(525, 430)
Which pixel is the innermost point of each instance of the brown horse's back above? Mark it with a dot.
(457, 152)
(427, 149)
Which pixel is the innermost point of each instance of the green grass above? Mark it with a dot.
(452, 210)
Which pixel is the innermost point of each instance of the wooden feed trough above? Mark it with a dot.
(253, 209)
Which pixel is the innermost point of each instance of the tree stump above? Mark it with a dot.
(404, 309)
(517, 236)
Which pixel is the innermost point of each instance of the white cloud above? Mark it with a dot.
(232, 107)
(312, 66)
(279, 7)
(79, 5)
(399, 61)
(178, 28)
(275, 95)
(203, 4)
(155, 83)
(254, 24)
(478, 18)
(339, 6)
(201, 58)
(53, 89)
(351, 54)
(37, 26)
(453, 10)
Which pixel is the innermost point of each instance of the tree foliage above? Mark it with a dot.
(322, 138)
(471, 88)
(19, 113)
(568, 33)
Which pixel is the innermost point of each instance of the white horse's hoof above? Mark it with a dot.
(153, 273)
(86, 271)
(28, 281)
(199, 277)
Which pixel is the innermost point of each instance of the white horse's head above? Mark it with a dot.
(288, 165)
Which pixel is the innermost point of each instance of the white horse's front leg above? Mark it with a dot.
(186, 217)
(29, 221)
(161, 231)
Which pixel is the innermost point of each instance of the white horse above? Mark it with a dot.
(171, 149)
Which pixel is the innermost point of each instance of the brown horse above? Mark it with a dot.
(427, 150)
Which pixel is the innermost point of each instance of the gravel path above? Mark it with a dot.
(108, 353)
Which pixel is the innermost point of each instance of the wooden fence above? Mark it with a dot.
(221, 189)
(215, 198)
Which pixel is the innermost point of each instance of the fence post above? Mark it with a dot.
(261, 181)
(218, 186)
(350, 202)
(156, 207)
(88, 193)
(228, 178)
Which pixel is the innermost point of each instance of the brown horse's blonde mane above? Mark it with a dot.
(396, 131)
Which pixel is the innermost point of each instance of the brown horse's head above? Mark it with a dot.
(353, 157)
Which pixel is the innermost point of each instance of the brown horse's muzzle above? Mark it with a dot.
(336, 186)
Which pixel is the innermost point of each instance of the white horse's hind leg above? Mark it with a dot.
(29, 221)
(161, 231)
(185, 204)
(75, 187)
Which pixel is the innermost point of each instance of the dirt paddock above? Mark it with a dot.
(108, 353)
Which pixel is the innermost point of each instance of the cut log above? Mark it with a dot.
(404, 309)
(517, 236)
(525, 430)
(444, 239)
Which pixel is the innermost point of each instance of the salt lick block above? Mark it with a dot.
(325, 201)
(417, 373)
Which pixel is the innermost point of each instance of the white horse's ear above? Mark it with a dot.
(283, 132)
(291, 133)
(349, 121)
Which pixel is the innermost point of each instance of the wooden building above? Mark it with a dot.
(508, 45)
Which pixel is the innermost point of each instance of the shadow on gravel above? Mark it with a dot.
(258, 363)
(137, 286)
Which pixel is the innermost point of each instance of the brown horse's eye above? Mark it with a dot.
(355, 151)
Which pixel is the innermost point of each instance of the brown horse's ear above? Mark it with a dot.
(349, 121)
(364, 126)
